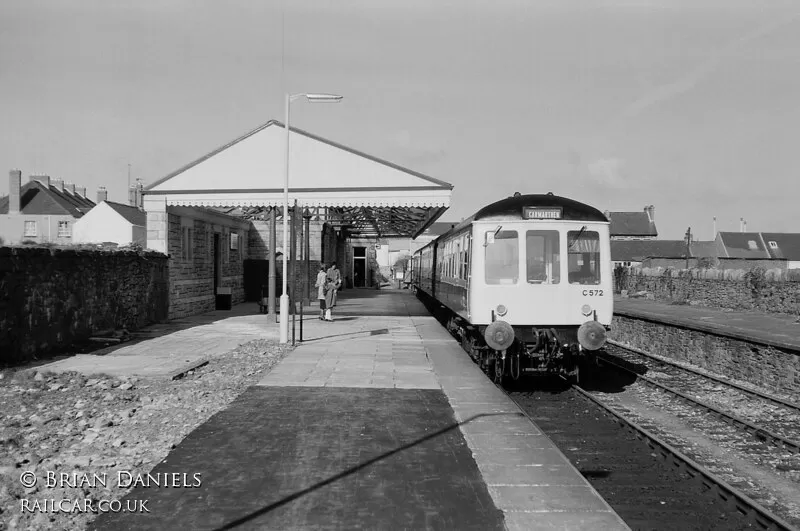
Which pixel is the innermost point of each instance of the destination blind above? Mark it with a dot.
(541, 213)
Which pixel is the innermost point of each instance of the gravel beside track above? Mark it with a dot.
(781, 419)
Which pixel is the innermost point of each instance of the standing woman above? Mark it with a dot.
(322, 279)
(334, 283)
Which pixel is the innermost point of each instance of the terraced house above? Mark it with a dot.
(41, 210)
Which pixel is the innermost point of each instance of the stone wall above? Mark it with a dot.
(773, 291)
(50, 298)
(767, 367)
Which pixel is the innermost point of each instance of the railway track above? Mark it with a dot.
(778, 424)
(645, 483)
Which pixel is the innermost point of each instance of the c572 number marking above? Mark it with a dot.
(592, 293)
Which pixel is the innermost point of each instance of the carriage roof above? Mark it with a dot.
(512, 206)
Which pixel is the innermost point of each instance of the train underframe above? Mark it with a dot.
(553, 350)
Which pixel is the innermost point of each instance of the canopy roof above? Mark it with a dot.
(347, 188)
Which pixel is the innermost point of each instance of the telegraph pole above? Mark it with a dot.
(688, 238)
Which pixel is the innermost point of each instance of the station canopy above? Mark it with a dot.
(353, 191)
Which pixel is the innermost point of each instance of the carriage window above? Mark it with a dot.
(543, 258)
(502, 258)
(583, 255)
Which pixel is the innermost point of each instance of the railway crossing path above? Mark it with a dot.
(377, 420)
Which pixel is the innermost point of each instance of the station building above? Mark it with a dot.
(220, 218)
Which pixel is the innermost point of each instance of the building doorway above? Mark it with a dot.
(360, 267)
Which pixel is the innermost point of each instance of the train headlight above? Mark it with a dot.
(501, 310)
(586, 310)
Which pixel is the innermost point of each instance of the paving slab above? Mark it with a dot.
(164, 351)
(286, 458)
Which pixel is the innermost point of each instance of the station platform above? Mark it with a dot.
(377, 420)
(775, 330)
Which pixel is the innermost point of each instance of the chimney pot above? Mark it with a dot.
(14, 186)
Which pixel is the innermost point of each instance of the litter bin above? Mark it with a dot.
(223, 299)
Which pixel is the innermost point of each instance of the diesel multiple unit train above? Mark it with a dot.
(525, 283)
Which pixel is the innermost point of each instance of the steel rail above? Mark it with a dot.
(760, 433)
(729, 494)
(725, 381)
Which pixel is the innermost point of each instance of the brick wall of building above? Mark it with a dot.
(767, 367)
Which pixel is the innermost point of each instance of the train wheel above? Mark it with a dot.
(475, 352)
(499, 370)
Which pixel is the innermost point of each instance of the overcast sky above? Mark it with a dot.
(694, 108)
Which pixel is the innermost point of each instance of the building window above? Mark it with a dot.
(773, 245)
(187, 245)
(752, 245)
(30, 229)
(64, 230)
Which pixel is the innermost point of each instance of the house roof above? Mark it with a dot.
(38, 199)
(788, 245)
(368, 195)
(132, 214)
(638, 250)
(632, 224)
(743, 245)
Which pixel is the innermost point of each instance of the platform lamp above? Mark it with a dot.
(284, 303)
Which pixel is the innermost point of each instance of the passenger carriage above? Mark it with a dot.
(526, 283)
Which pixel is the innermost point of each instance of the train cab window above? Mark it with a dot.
(502, 257)
(543, 258)
(583, 257)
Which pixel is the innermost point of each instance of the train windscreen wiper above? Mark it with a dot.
(576, 237)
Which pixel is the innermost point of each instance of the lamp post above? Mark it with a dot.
(284, 303)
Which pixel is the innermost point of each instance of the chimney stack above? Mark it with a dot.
(135, 194)
(81, 191)
(14, 186)
(59, 185)
(70, 187)
(102, 194)
(44, 179)
(651, 212)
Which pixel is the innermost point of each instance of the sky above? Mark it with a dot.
(691, 106)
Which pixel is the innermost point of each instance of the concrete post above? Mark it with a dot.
(272, 265)
(157, 223)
